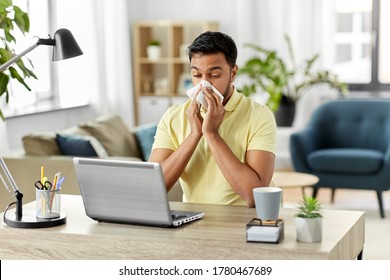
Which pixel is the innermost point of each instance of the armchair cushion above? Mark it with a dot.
(347, 161)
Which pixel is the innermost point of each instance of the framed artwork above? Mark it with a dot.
(184, 84)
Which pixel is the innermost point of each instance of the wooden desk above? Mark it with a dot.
(221, 234)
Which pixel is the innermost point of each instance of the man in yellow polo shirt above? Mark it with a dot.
(220, 153)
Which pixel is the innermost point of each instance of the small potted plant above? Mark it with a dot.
(308, 220)
(154, 50)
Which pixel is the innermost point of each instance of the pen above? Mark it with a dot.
(59, 183)
(55, 180)
(42, 174)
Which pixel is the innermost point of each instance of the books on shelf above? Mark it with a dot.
(265, 231)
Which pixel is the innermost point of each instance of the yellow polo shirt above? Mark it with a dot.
(247, 125)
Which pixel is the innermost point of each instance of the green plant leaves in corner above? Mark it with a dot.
(11, 16)
(268, 72)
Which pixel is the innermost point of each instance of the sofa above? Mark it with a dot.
(103, 137)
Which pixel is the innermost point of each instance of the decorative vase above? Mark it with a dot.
(285, 113)
(308, 230)
(154, 52)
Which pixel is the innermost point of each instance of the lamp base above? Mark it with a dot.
(29, 220)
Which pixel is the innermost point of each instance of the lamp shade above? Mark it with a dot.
(65, 45)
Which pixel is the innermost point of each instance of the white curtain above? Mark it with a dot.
(308, 23)
(265, 22)
(102, 75)
(114, 58)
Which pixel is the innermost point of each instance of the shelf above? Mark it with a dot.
(164, 76)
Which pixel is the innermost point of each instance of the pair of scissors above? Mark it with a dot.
(45, 186)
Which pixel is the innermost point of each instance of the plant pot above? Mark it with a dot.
(285, 113)
(154, 52)
(308, 230)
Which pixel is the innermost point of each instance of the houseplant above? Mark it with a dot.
(10, 16)
(154, 50)
(284, 84)
(308, 220)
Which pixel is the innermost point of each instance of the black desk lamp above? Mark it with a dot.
(64, 46)
(17, 219)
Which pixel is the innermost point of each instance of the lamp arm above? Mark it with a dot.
(4, 167)
(18, 194)
(17, 57)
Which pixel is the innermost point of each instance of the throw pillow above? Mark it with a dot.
(77, 145)
(45, 144)
(41, 144)
(145, 137)
(114, 135)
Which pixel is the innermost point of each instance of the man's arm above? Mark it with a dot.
(258, 168)
(172, 162)
(257, 171)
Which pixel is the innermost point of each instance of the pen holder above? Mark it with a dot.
(48, 203)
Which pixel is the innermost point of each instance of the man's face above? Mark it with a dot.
(214, 69)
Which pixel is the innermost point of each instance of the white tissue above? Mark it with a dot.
(200, 99)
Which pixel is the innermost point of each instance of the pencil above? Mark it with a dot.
(42, 174)
(54, 188)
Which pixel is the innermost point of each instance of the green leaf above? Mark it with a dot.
(5, 55)
(16, 75)
(5, 3)
(4, 79)
(309, 207)
(21, 19)
(26, 72)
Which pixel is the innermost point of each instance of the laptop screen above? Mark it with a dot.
(123, 191)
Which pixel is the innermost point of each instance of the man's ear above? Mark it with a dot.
(234, 72)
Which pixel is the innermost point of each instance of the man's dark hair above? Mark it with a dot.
(213, 42)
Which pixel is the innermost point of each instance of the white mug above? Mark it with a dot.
(267, 201)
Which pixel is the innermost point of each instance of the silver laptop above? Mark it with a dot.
(128, 192)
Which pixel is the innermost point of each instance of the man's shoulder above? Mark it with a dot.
(176, 115)
(178, 108)
(255, 107)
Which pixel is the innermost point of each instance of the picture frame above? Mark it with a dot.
(184, 83)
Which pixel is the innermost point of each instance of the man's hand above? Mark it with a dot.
(194, 116)
(215, 112)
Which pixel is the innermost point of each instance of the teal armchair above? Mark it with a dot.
(347, 145)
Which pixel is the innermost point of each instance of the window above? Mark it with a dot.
(384, 43)
(60, 84)
(361, 43)
(40, 57)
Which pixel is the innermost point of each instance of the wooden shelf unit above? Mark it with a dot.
(160, 78)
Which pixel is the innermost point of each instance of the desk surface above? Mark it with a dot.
(221, 234)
